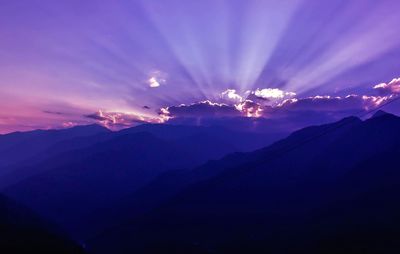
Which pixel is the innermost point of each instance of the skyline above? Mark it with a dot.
(122, 63)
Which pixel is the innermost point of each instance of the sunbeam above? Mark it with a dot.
(143, 55)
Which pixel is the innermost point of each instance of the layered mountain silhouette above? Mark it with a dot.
(19, 146)
(331, 188)
(324, 189)
(69, 177)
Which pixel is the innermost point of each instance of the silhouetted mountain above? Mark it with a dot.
(169, 184)
(42, 147)
(19, 146)
(77, 177)
(324, 189)
(244, 140)
(380, 113)
(22, 232)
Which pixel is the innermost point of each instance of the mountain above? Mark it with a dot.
(22, 152)
(23, 232)
(185, 189)
(380, 113)
(80, 176)
(20, 146)
(243, 139)
(323, 189)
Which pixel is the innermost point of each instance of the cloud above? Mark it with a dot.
(266, 94)
(120, 120)
(250, 108)
(272, 93)
(393, 87)
(156, 79)
(274, 107)
(69, 124)
(208, 110)
(53, 112)
(97, 116)
(268, 106)
(330, 105)
(333, 104)
(230, 95)
(153, 82)
(200, 109)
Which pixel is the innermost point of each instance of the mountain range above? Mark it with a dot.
(331, 188)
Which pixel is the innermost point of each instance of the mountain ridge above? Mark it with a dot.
(235, 195)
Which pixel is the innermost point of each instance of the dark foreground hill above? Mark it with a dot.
(23, 232)
(325, 189)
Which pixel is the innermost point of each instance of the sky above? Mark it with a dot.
(125, 62)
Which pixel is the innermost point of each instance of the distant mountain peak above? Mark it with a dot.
(380, 113)
(350, 119)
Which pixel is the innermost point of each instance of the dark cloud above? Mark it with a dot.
(96, 116)
(332, 104)
(288, 115)
(249, 108)
(201, 109)
(52, 112)
(248, 115)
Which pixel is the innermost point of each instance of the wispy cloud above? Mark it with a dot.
(120, 120)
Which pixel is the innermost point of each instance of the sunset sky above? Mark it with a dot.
(124, 62)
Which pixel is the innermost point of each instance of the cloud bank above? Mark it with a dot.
(266, 109)
(276, 104)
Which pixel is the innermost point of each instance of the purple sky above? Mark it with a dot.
(121, 62)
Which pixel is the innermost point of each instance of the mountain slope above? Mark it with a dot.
(325, 189)
(29, 153)
(171, 183)
(23, 232)
(73, 176)
(69, 186)
(243, 139)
